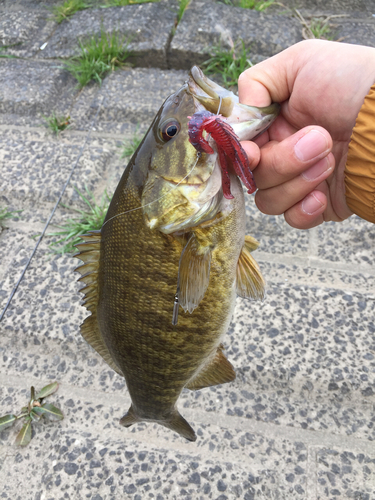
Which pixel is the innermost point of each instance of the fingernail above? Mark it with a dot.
(316, 170)
(311, 145)
(311, 204)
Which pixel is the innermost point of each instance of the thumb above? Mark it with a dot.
(271, 80)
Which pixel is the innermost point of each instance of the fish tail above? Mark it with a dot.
(174, 421)
(177, 423)
(130, 418)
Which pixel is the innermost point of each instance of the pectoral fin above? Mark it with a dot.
(194, 274)
(218, 371)
(250, 282)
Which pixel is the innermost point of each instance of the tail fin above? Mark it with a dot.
(130, 418)
(175, 422)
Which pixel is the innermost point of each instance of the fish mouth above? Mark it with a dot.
(247, 121)
(209, 94)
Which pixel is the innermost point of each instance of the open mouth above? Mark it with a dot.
(209, 94)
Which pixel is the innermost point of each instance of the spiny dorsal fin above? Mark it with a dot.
(250, 282)
(218, 371)
(90, 254)
(194, 274)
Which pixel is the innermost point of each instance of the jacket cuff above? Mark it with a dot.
(360, 164)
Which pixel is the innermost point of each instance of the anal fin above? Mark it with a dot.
(250, 282)
(218, 371)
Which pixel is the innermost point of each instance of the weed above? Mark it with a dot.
(317, 28)
(57, 123)
(4, 47)
(33, 412)
(181, 9)
(320, 29)
(122, 3)
(5, 214)
(130, 146)
(88, 220)
(228, 64)
(68, 8)
(259, 5)
(99, 55)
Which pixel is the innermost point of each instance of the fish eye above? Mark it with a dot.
(169, 130)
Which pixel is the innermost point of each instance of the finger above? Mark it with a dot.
(253, 154)
(278, 131)
(282, 161)
(279, 199)
(309, 212)
(270, 80)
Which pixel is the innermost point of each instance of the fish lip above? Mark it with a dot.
(198, 84)
(207, 94)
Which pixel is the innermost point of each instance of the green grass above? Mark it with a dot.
(181, 9)
(316, 28)
(258, 5)
(229, 64)
(88, 220)
(122, 3)
(99, 55)
(68, 8)
(5, 214)
(130, 146)
(320, 29)
(5, 47)
(57, 123)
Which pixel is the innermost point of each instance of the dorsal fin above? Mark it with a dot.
(250, 282)
(218, 371)
(89, 252)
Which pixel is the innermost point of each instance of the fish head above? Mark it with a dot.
(183, 187)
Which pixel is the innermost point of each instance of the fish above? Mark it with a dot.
(162, 274)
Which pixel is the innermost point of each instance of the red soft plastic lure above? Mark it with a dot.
(229, 148)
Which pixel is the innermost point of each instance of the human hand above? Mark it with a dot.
(302, 156)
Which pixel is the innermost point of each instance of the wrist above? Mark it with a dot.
(360, 164)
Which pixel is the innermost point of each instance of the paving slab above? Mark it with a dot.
(24, 32)
(35, 88)
(30, 160)
(356, 8)
(147, 28)
(203, 28)
(335, 474)
(358, 33)
(298, 421)
(127, 98)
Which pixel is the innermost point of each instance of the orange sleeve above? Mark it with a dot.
(360, 164)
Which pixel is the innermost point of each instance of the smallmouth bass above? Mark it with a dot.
(172, 242)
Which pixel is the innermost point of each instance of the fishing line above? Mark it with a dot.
(51, 215)
(161, 197)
